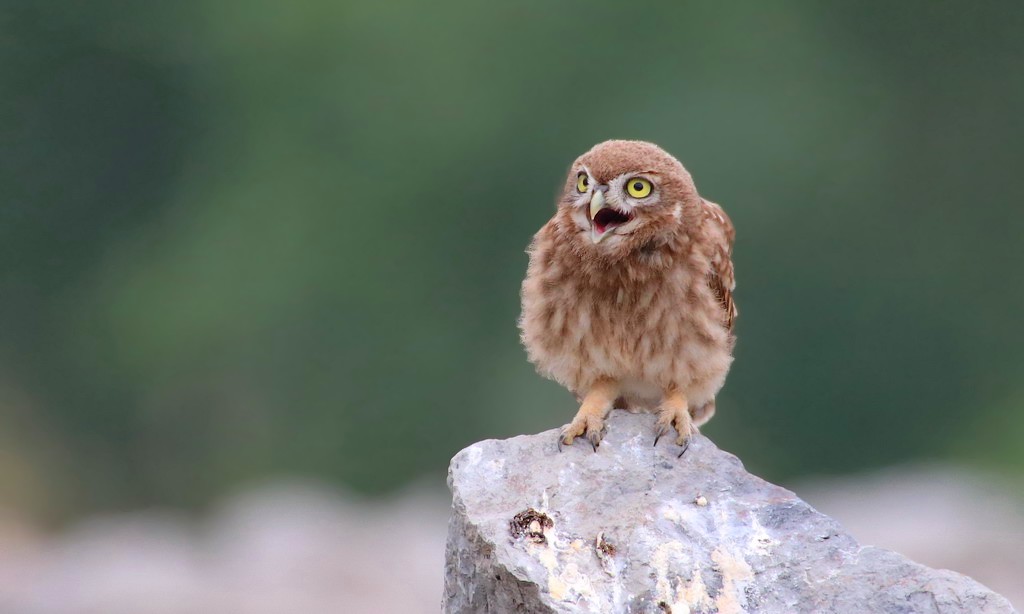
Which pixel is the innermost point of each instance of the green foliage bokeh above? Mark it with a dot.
(251, 239)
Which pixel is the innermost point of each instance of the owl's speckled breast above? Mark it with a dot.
(650, 328)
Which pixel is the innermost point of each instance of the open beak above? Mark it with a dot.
(596, 204)
(604, 218)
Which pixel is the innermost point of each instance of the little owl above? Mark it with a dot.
(627, 300)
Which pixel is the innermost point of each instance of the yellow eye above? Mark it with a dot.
(582, 182)
(638, 188)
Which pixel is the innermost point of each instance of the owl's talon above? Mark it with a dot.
(686, 446)
(674, 415)
(592, 429)
(565, 439)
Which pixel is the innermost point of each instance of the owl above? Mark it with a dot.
(627, 300)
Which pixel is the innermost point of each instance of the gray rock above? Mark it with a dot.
(632, 528)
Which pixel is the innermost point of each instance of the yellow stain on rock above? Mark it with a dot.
(556, 587)
(677, 597)
(685, 596)
(565, 582)
(696, 592)
(736, 574)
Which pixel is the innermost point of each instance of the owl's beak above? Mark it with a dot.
(596, 203)
(603, 217)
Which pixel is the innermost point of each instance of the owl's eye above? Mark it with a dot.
(638, 188)
(582, 182)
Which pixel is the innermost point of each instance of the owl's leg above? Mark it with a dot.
(589, 420)
(674, 412)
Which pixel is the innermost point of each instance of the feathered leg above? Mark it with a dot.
(589, 420)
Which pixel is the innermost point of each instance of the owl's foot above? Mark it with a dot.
(674, 414)
(589, 420)
(591, 427)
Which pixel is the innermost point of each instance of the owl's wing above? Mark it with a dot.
(721, 277)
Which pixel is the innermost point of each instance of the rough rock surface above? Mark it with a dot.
(632, 528)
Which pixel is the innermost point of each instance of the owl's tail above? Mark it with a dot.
(703, 413)
(700, 414)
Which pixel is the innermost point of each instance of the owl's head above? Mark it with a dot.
(622, 196)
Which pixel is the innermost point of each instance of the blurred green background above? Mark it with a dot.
(250, 239)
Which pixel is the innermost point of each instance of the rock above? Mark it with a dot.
(632, 528)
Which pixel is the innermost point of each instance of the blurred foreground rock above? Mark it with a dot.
(634, 529)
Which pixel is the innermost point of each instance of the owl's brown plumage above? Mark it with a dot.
(628, 294)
